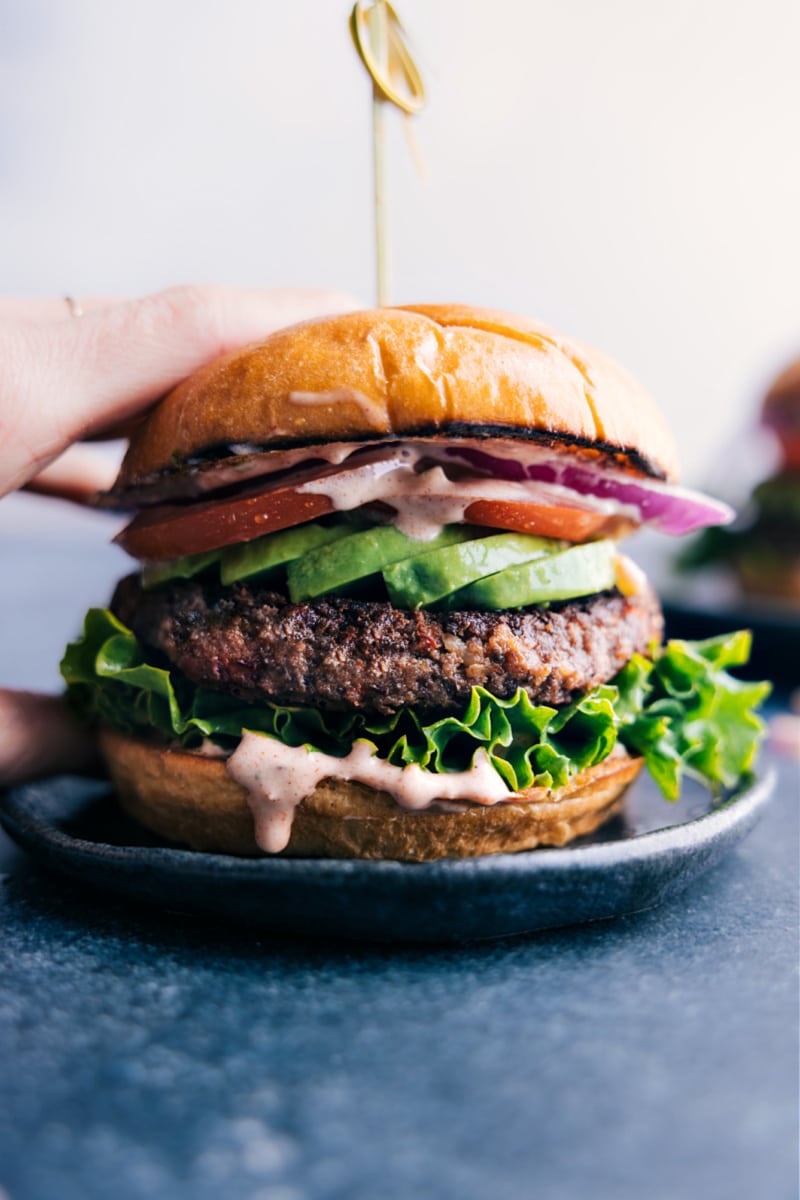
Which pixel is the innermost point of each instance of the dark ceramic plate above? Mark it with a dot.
(634, 862)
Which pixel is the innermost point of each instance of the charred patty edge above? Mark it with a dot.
(338, 654)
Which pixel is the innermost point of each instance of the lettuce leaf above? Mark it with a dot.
(681, 710)
(687, 715)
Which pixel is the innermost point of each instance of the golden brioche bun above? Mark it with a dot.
(192, 800)
(421, 371)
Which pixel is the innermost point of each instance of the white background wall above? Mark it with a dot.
(626, 170)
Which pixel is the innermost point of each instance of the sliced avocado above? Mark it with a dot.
(579, 571)
(332, 568)
(429, 577)
(154, 573)
(277, 549)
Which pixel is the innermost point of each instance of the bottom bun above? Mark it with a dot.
(191, 799)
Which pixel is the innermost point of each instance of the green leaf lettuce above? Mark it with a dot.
(681, 710)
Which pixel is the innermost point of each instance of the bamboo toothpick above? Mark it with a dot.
(380, 41)
(378, 28)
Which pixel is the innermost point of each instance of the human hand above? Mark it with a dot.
(64, 378)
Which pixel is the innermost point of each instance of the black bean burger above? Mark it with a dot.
(381, 609)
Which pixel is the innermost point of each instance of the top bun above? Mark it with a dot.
(418, 370)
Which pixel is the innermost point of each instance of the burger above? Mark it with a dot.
(380, 608)
(762, 549)
(767, 555)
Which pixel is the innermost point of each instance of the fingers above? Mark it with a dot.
(133, 354)
(65, 380)
(78, 474)
(284, 306)
(138, 351)
(39, 736)
(50, 308)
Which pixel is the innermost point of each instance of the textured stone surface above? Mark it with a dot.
(162, 1056)
(155, 1056)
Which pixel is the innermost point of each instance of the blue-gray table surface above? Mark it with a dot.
(146, 1054)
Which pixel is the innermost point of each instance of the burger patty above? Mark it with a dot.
(340, 654)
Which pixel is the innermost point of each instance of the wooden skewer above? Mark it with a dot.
(380, 41)
(378, 26)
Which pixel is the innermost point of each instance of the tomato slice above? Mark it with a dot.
(556, 521)
(171, 531)
(174, 530)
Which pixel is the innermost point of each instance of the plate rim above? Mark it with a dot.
(744, 804)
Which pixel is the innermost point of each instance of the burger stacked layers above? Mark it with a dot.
(381, 609)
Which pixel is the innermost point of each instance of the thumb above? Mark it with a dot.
(68, 379)
(40, 736)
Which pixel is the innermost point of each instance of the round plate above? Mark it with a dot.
(636, 861)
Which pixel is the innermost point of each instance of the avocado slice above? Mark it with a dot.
(333, 568)
(580, 571)
(154, 573)
(277, 549)
(429, 577)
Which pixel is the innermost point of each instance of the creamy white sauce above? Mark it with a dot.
(277, 778)
(253, 462)
(426, 500)
(208, 749)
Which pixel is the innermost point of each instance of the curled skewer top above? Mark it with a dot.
(380, 40)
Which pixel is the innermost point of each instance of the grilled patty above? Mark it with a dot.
(340, 654)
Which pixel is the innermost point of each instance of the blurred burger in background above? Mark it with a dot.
(763, 548)
(768, 557)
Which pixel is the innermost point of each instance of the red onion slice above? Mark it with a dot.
(671, 509)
